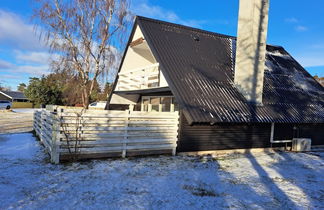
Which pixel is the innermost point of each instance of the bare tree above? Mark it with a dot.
(73, 137)
(81, 34)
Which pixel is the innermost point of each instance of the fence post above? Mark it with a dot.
(172, 108)
(55, 152)
(41, 126)
(127, 112)
(131, 107)
(177, 117)
(34, 122)
(38, 123)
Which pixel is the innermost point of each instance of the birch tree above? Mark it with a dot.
(82, 35)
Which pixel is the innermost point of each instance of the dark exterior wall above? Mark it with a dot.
(312, 131)
(3, 97)
(242, 135)
(222, 136)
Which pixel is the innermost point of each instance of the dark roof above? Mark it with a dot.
(14, 94)
(199, 68)
(320, 80)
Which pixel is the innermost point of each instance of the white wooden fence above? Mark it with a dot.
(70, 133)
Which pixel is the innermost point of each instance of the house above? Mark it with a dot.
(168, 67)
(13, 96)
(18, 99)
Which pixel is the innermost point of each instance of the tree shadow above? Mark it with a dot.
(306, 175)
(219, 189)
(273, 189)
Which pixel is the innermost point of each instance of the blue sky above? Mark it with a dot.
(297, 25)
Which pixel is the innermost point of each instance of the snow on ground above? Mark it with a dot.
(258, 181)
(24, 110)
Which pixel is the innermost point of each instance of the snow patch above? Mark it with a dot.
(297, 75)
(279, 54)
(304, 83)
(269, 66)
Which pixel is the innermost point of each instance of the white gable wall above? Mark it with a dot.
(140, 56)
(136, 57)
(163, 82)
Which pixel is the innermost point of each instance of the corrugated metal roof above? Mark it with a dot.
(15, 94)
(199, 68)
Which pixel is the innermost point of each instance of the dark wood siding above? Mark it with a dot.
(313, 131)
(222, 136)
(241, 135)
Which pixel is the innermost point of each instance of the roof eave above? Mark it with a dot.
(5, 94)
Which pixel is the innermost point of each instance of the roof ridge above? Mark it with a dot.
(194, 29)
(185, 27)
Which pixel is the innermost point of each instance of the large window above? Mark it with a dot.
(145, 103)
(159, 104)
(166, 104)
(155, 103)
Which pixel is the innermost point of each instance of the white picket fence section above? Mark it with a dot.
(105, 133)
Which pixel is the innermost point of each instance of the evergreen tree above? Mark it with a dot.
(21, 87)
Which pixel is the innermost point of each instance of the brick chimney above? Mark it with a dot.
(251, 48)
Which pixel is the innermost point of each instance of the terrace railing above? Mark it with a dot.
(139, 78)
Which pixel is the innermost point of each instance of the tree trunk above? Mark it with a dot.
(86, 98)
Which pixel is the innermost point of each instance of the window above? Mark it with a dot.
(166, 104)
(145, 103)
(155, 101)
(20, 100)
(175, 104)
(159, 104)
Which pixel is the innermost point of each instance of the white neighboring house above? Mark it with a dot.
(4, 104)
